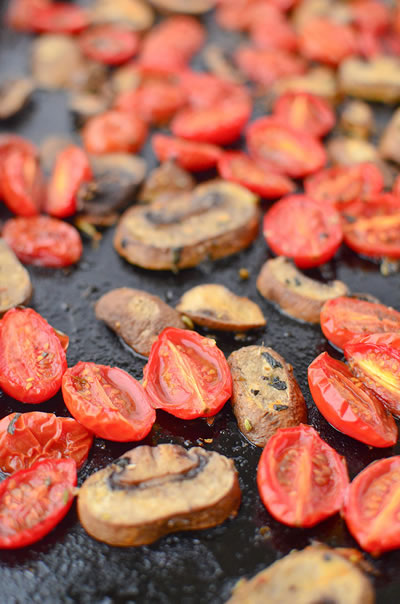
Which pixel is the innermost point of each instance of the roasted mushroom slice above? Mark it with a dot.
(345, 151)
(266, 395)
(55, 59)
(153, 491)
(15, 283)
(137, 316)
(374, 80)
(14, 95)
(389, 145)
(317, 574)
(186, 7)
(215, 306)
(296, 295)
(216, 220)
(134, 14)
(357, 119)
(318, 80)
(219, 65)
(84, 105)
(168, 179)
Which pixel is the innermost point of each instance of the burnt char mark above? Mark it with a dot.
(196, 205)
(162, 217)
(272, 362)
(176, 255)
(281, 407)
(278, 384)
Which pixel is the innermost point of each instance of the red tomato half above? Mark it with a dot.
(180, 34)
(371, 506)
(43, 241)
(267, 66)
(108, 401)
(300, 228)
(242, 14)
(32, 360)
(305, 112)
(280, 35)
(187, 375)
(323, 40)
(154, 101)
(204, 90)
(30, 437)
(21, 181)
(343, 319)
(21, 13)
(109, 44)
(189, 155)
(370, 15)
(238, 167)
(348, 405)
(300, 478)
(294, 153)
(71, 169)
(34, 501)
(112, 132)
(60, 18)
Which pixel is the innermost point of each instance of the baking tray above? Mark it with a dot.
(195, 567)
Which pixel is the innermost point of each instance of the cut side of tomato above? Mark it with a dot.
(154, 102)
(267, 66)
(191, 156)
(279, 35)
(348, 405)
(370, 15)
(178, 38)
(21, 181)
(108, 401)
(109, 44)
(371, 507)
(300, 478)
(112, 132)
(187, 375)
(21, 13)
(34, 501)
(30, 437)
(305, 112)
(59, 18)
(325, 41)
(300, 228)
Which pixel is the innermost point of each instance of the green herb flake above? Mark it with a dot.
(11, 425)
(47, 481)
(66, 495)
(248, 425)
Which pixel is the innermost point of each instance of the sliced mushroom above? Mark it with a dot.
(315, 575)
(167, 180)
(15, 283)
(89, 77)
(55, 59)
(374, 80)
(318, 80)
(216, 220)
(389, 145)
(84, 105)
(153, 491)
(266, 395)
(135, 14)
(215, 306)
(357, 119)
(296, 295)
(345, 151)
(50, 148)
(218, 64)
(186, 7)
(14, 95)
(126, 78)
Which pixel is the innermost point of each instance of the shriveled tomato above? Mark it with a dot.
(32, 360)
(299, 228)
(154, 101)
(71, 169)
(240, 168)
(324, 40)
(267, 66)
(294, 153)
(370, 15)
(109, 44)
(114, 131)
(305, 112)
(108, 401)
(30, 437)
(60, 18)
(343, 319)
(21, 181)
(371, 506)
(187, 374)
(189, 155)
(34, 501)
(21, 13)
(43, 241)
(300, 478)
(375, 360)
(348, 405)
(343, 184)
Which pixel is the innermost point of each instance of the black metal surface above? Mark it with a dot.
(69, 566)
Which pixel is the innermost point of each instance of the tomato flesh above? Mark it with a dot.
(267, 66)
(187, 375)
(59, 18)
(326, 41)
(108, 401)
(305, 112)
(109, 44)
(348, 405)
(300, 478)
(21, 13)
(112, 132)
(22, 182)
(154, 101)
(34, 501)
(189, 155)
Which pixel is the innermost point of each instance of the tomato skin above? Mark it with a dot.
(306, 112)
(155, 101)
(278, 36)
(267, 66)
(43, 241)
(298, 227)
(343, 319)
(30, 437)
(189, 155)
(59, 18)
(21, 13)
(71, 169)
(370, 507)
(22, 181)
(32, 360)
(305, 495)
(172, 390)
(370, 15)
(108, 401)
(323, 40)
(34, 501)
(109, 44)
(114, 131)
(348, 405)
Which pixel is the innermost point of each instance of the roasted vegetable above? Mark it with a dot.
(55, 60)
(14, 95)
(15, 283)
(357, 119)
(374, 80)
(168, 179)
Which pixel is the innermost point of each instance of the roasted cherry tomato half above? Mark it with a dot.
(370, 15)
(43, 241)
(348, 405)
(396, 187)
(59, 18)
(34, 501)
(305, 112)
(343, 319)
(189, 155)
(267, 66)
(242, 14)
(109, 44)
(32, 360)
(108, 401)
(371, 506)
(323, 40)
(300, 228)
(187, 374)
(155, 102)
(294, 153)
(114, 131)
(21, 13)
(21, 181)
(375, 360)
(204, 90)
(279, 35)
(240, 168)
(300, 478)
(30, 437)
(71, 169)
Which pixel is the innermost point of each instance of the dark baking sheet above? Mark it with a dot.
(69, 566)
